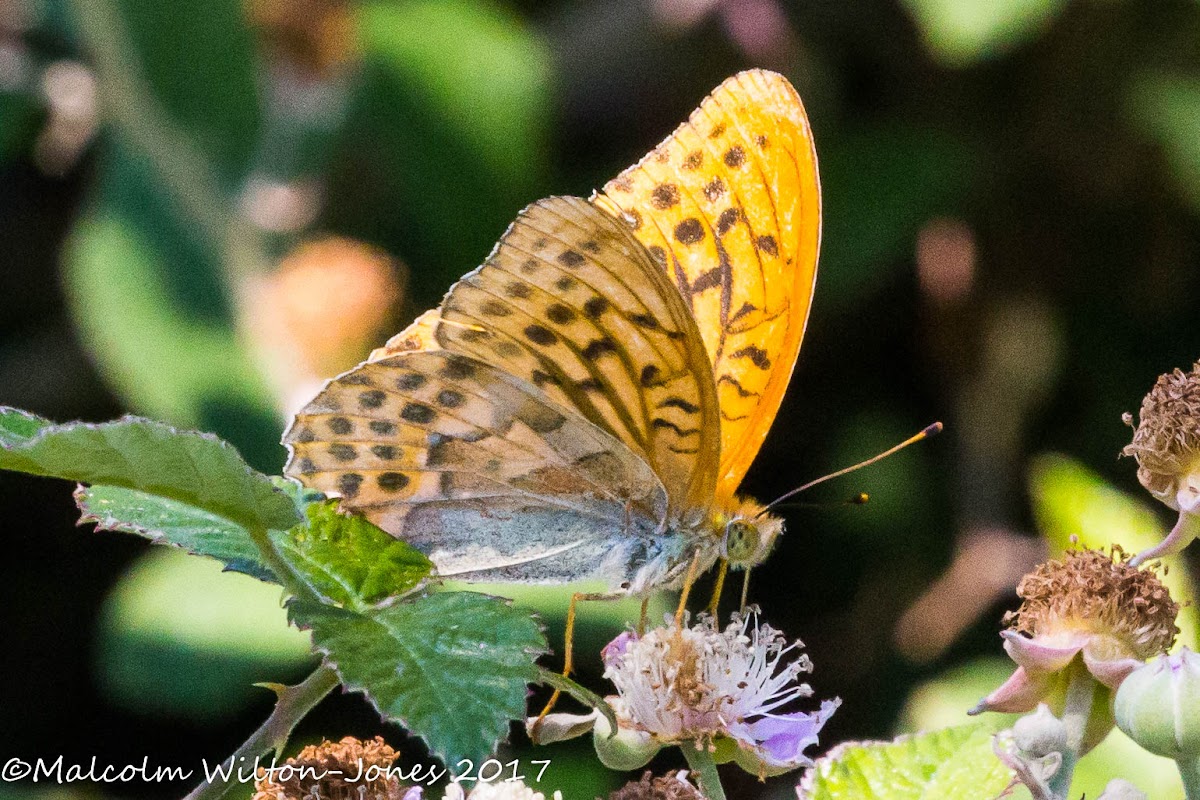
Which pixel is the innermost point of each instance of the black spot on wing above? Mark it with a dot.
(756, 354)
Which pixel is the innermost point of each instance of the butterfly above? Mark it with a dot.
(583, 406)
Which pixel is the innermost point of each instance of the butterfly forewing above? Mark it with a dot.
(571, 302)
(729, 205)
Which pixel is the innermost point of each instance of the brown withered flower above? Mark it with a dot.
(1166, 444)
(328, 771)
(1091, 611)
(672, 786)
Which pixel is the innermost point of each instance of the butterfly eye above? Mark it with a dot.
(741, 541)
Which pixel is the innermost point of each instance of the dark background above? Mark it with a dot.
(1010, 245)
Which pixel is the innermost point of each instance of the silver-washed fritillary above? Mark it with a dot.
(583, 406)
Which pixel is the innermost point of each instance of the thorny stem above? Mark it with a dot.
(700, 761)
(293, 703)
(1081, 693)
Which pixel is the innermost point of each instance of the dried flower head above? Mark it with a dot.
(326, 771)
(672, 786)
(1090, 611)
(1166, 442)
(1127, 611)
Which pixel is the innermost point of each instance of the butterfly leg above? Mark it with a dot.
(745, 590)
(569, 647)
(687, 588)
(641, 629)
(719, 587)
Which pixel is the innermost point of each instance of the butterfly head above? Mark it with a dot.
(747, 535)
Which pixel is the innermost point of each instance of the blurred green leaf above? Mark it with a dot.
(473, 63)
(1166, 109)
(879, 187)
(954, 762)
(164, 360)
(961, 32)
(450, 667)
(348, 561)
(1069, 500)
(451, 114)
(166, 521)
(194, 468)
(180, 636)
(943, 699)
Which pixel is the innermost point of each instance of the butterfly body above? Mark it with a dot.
(582, 406)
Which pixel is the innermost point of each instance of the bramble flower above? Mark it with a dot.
(1166, 444)
(326, 772)
(1091, 611)
(496, 790)
(700, 686)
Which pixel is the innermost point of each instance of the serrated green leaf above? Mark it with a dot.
(194, 468)
(1070, 500)
(953, 762)
(450, 667)
(348, 561)
(17, 426)
(166, 521)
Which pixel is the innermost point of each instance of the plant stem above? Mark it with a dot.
(700, 761)
(293, 703)
(1190, 772)
(283, 571)
(1081, 694)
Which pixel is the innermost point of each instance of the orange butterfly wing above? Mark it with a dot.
(730, 205)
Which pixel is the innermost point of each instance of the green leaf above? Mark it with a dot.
(450, 667)
(1071, 501)
(179, 636)
(194, 468)
(166, 521)
(1165, 107)
(17, 426)
(953, 762)
(348, 561)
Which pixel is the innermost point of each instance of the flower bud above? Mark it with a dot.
(1158, 705)
(1040, 733)
(630, 749)
(1118, 789)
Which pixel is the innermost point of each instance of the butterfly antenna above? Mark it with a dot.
(932, 430)
(860, 499)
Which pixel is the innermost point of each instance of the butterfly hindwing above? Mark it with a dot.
(434, 426)
(571, 302)
(729, 205)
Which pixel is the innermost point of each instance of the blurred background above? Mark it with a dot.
(207, 208)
